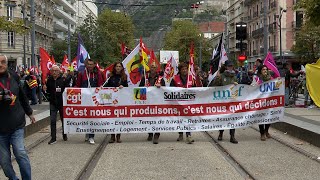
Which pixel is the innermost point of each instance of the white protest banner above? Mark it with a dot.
(170, 109)
(165, 56)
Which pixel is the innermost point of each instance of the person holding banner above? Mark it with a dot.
(89, 78)
(180, 80)
(117, 78)
(152, 79)
(227, 76)
(55, 86)
(264, 75)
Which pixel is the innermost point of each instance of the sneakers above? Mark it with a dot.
(180, 138)
(52, 141)
(189, 140)
(65, 137)
(91, 141)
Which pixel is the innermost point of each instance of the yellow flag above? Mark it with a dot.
(313, 85)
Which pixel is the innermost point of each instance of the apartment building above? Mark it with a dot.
(64, 15)
(17, 47)
(85, 8)
(253, 14)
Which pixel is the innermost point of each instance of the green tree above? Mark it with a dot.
(16, 25)
(59, 49)
(180, 37)
(312, 9)
(113, 29)
(307, 46)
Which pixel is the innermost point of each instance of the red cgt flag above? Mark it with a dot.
(65, 64)
(45, 63)
(154, 60)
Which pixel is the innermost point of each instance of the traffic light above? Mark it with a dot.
(242, 58)
(241, 31)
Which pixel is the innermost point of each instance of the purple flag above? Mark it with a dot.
(271, 64)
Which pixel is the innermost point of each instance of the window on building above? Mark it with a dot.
(10, 39)
(10, 12)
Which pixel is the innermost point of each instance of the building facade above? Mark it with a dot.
(17, 47)
(85, 8)
(65, 14)
(253, 14)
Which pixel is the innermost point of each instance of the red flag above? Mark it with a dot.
(123, 49)
(65, 64)
(74, 64)
(153, 60)
(191, 71)
(45, 63)
(108, 70)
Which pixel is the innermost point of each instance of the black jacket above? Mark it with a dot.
(55, 97)
(13, 117)
(152, 81)
(115, 81)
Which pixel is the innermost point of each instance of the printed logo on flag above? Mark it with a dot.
(140, 94)
(73, 96)
(270, 87)
(231, 93)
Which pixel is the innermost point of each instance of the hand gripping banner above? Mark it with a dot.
(171, 109)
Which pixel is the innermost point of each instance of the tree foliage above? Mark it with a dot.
(16, 25)
(182, 34)
(307, 46)
(312, 9)
(102, 37)
(59, 49)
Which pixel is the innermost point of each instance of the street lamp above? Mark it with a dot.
(280, 16)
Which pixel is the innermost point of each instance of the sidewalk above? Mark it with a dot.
(42, 114)
(302, 123)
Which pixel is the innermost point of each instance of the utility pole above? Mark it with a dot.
(265, 28)
(23, 7)
(69, 45)
(33, 32)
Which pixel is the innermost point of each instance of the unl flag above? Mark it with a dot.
(133, 67)
(45, 63)
(65, 64)
(270, 63)
(170, 70)
(153, 60)
(144, 55)
(191, 71)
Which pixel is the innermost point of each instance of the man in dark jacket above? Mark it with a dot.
(55, 87)
(13, 107)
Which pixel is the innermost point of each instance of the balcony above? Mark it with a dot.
(261, 11)
(59, 25)
(67, 6)
(255, 14)
(257, 33)
(59, 12)
(272, 27)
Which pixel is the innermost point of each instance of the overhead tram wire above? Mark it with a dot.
(122, 4)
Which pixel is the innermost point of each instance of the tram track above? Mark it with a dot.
(293, 147)
(236, 164)
(90, 165)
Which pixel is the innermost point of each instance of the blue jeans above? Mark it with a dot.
(34, 96)
(16, 139)
(286, 96)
